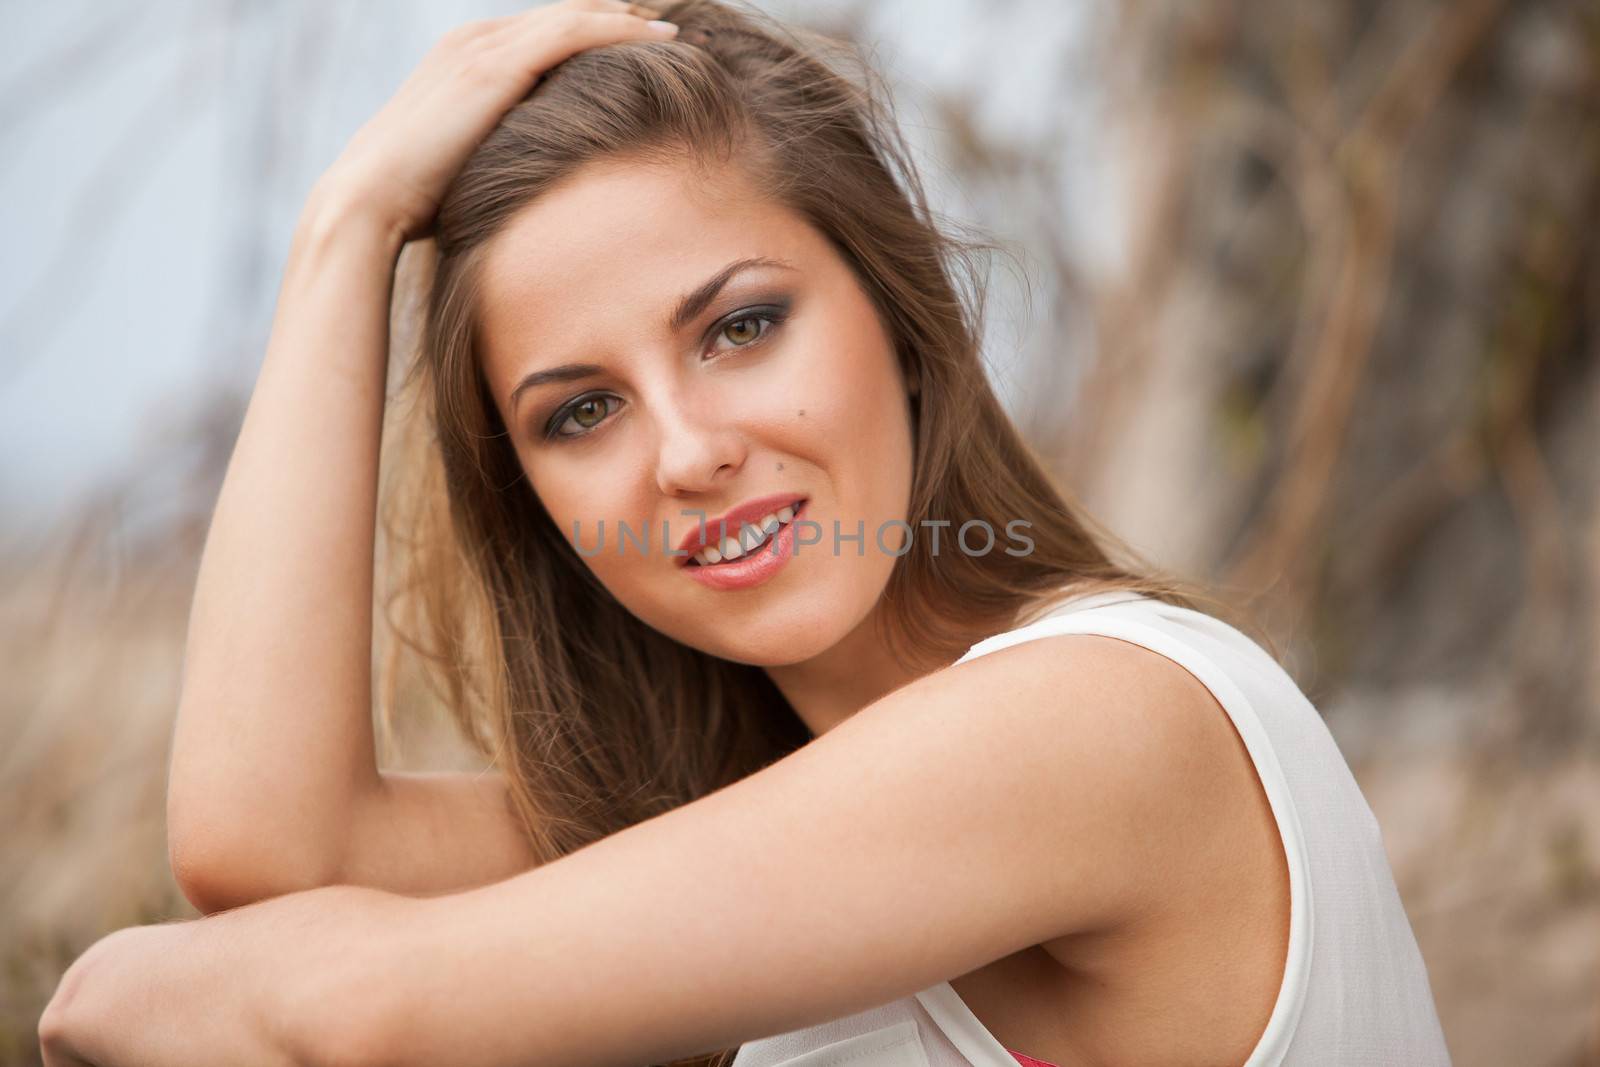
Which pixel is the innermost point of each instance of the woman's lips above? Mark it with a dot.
(714, 533)
(756, 566)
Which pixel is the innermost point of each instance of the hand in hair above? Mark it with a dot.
(400, 162)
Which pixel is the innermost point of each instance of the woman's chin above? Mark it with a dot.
(781, 652)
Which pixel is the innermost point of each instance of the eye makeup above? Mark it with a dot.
(770, 315)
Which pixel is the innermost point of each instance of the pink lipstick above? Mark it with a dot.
(756, 565)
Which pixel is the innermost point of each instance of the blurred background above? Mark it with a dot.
(1303, 302)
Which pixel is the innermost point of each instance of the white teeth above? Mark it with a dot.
(751, 537)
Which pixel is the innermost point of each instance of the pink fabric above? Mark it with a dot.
(1029, 1061)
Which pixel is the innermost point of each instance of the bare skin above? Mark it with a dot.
(1194, 983)
(274, 782)
(1123, 948)
(1114, 836)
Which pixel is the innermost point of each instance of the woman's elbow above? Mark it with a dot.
(215, 877)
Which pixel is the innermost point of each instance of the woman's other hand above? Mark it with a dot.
(400, 162)
(287, 982)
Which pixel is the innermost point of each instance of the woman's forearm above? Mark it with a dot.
(274, 739)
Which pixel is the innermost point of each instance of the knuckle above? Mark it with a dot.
(568, 24)
(55, 1025)
(52, 1030)
(466, 33)
(561, 30)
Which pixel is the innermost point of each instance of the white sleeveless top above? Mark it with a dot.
(1354, 989)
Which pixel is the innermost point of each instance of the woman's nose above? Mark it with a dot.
(697, 451)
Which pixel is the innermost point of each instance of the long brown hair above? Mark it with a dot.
(598, 720)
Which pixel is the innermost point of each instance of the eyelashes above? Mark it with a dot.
(768, 317)
(553, 430)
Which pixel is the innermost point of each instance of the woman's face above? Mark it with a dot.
(699, 349)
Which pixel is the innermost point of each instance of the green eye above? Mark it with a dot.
(587, 412)
(743, 331)
(750, 326)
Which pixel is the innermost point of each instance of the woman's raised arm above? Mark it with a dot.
(274, 785)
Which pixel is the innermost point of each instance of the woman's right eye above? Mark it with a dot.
(586, 412)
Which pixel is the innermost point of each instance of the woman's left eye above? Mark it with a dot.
(747, 328)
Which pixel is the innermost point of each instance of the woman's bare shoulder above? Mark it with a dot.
(1137, 729)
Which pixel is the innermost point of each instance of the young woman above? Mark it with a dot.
(826, 730)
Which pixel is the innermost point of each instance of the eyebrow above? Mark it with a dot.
(689, 306)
